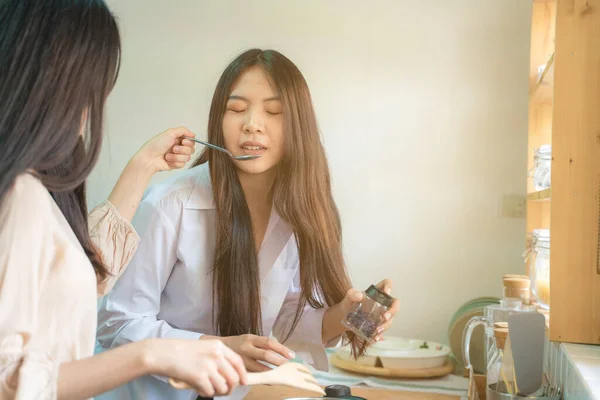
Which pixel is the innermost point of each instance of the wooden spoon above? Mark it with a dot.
(290, 374)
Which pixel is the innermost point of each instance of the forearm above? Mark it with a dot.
(94, 375)
(332, 323)
(129, 189)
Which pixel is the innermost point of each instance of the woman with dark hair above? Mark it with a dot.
(58, 63)
(246, 249)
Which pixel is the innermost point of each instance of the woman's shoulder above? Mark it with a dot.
(26, 211)
(28, 196)
(190, 188)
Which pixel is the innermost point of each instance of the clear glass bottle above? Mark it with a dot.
(541, 268)
(542, 164)
(365, 317)
(494, 364)
(530, 257)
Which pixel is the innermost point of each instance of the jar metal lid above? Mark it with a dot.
(382, 298)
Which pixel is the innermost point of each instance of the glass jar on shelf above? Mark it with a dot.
(517, 290)
(541, 171)
(541, 269)
(530, 257)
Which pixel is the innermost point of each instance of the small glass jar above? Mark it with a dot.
(365, 317)
(530, 255)
(517, 290)
(541, 171)
(541, 281)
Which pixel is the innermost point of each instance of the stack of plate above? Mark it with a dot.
(457, 325)
(398, 357)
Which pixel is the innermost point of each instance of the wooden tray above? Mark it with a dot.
(350, 366)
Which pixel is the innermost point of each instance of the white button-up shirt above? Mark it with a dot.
(166, 292)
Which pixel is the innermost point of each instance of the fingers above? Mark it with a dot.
(204, 387)
(180, 131)
(173, 166)
(229, 376)
(237, 366)
(179, 155)
(388, 318)
(381, 330)
(268, 343)
(177, 158)
(354, 295)
(269, 356)
(385, 286)
(264, 349)
(219, 384)
(393, 309)
(255, 366)
(187, 143)
(184, 149)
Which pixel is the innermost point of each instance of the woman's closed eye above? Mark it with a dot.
(273, 109)
(236, 109)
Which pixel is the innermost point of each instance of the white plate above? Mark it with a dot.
(401, 353)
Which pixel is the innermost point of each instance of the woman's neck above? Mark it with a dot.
(259, 197)
(258, 187)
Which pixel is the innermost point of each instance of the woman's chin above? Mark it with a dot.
(253, 167)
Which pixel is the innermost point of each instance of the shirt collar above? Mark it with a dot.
(201, 197)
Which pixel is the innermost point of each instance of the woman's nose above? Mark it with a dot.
(254, 123)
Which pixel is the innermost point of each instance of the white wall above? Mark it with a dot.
(423, 110)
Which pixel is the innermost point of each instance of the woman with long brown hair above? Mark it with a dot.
(242, 250)
(58, 62)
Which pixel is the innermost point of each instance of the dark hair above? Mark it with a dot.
(302, 197)
(59, 59)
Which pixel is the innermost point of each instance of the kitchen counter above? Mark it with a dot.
(576, 368)
(282, 392)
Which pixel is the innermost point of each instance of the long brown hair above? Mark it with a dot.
(302, 197)
(58, 62)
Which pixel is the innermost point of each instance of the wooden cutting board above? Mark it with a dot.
(282, 393)
(391, 372)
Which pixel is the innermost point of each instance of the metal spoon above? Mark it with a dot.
(212, 146)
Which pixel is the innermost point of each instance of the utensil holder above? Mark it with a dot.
(492, 394)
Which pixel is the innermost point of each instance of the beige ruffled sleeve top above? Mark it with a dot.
(115, 239)
(48, 288)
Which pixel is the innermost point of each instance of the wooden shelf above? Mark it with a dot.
(543, 89)
(542, 195)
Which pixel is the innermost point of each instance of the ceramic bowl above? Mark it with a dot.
(401, 353)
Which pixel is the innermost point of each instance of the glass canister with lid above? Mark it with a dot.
(365, 317)
(540, 268)
(542, 164)
(517, 290)
(539, 243)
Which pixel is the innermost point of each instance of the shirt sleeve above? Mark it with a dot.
(307, 338)
(129, 312)
(115, 239)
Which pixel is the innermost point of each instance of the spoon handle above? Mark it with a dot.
(212, 146)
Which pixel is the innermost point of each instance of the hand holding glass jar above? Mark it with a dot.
(370, 313)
